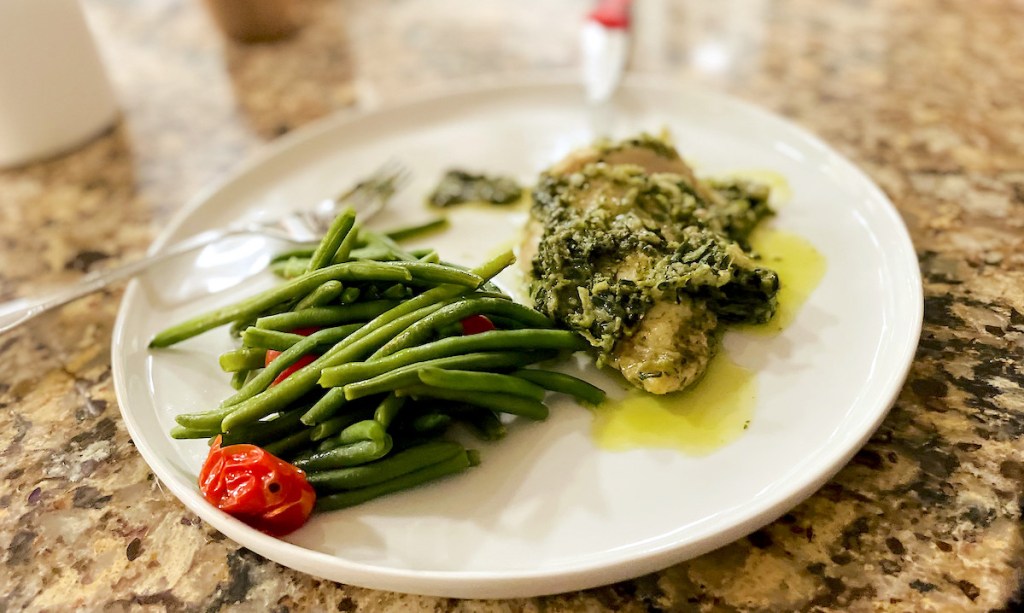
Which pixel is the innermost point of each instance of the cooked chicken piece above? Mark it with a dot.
(628, 248)
(670, 348)
(645, 153)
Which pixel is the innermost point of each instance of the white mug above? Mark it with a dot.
(54, 92)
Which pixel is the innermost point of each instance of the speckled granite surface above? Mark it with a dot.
(924, 94)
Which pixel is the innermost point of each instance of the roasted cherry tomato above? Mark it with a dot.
(475, 324)
(306, 331)
(257, 487)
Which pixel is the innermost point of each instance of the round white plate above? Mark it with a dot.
(547, 511)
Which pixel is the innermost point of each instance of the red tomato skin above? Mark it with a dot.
(475, 324)
(257, 487)
(299, 363)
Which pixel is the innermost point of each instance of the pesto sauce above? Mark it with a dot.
(459, 187)
(719, 407)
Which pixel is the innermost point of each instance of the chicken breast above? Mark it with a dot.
(627, 247)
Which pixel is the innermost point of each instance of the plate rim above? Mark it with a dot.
(524, 583)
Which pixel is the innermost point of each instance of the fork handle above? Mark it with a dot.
(16, 312)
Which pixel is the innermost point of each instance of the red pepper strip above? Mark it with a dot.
(257, 487)
(475, 324)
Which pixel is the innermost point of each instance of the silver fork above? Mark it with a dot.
(367, 197)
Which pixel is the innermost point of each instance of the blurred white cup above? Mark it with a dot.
(54, 92)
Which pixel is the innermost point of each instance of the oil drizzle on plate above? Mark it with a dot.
(716, 410)
(696, 421)
(800, 267)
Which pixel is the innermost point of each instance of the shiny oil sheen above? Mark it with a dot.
(716, 410)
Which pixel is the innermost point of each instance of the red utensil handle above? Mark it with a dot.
(612, 13)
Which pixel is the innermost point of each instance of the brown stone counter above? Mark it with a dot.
(926, 95)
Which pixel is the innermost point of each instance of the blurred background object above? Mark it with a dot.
(252, 21)
(54, 92)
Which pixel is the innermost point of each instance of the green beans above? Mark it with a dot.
(364, 340)
(326, 408)
(483, 422)
(261, 432)
(403, 462)
(565, 384)
(423, 475)
(354, 454)
(418, 230)
(267, 376)
(378, 253)
(366, 430)
(386, 342)
(246, 358)
(207, 420)
(328, 247)
(334, 425)
(409, 375)
(388, 409)
(238, 378)
(430, 423)
(291, 268)
(271, 400)
(495, 340)
(351, 294)
(348, 271)
(328, 292)
(345, 248)
(289, 444)
(466, 380)
(503, 403)
(183, 432)
(395, 292)
(299, 252)
(269, 339)
(423, 329)
(431, 256)
(326, 315)
(438, 274)
(380, 241)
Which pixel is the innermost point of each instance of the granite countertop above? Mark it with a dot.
(925, 95)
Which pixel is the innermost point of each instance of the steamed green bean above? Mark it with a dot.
(431, 472)
(328, 292)
(328, 247)
(495, 340)
(562, 383)
(348, 271)
(466, 380)
(353, 454)
(408, 375)
(503, 403)
(402, 462)
(455, 312)
(246, 358)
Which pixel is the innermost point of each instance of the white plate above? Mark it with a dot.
(547, 511)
